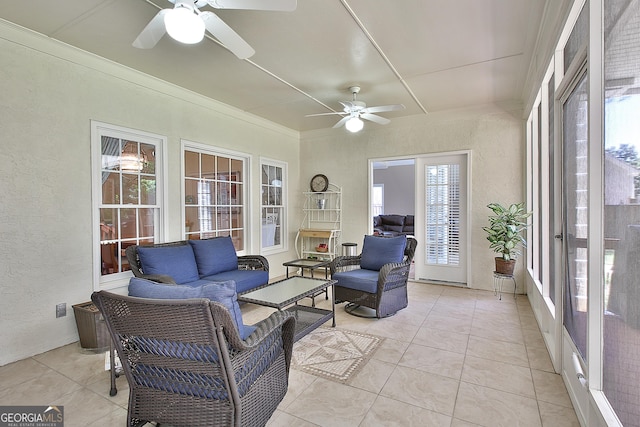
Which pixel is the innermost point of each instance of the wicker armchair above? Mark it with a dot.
(384, 291)
(187, 366)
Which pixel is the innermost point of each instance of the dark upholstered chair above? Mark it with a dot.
(187, 365)
(377, 278)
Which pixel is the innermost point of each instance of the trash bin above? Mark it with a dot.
(91, 327)
(349, 249)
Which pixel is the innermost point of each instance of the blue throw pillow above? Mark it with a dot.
(378, 251)
(225, 294)
(215, 255)
(143, 288)
(175, 261)
(222, 292)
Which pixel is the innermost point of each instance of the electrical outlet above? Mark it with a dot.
(61, 309)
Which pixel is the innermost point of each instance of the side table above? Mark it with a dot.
(498, 282)
(311, 265)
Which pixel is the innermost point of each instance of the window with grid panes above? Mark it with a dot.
(214, 189)
(272, 201)
(128, 206)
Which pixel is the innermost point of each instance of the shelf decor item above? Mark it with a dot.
(504, 234)
(319, 183)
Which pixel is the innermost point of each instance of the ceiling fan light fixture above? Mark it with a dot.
(354, 124)
(184, 25)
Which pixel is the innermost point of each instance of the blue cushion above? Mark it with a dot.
(358, 279)
(378, 251)
(143, 288)
(223, 292)
(214, 255)
(245, 279)
(175, 261)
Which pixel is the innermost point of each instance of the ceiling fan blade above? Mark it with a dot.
(226, 35)
(153, 32)
(341, 122)
(383, 108)
(326, 114)
(278, 5)
(374, 118)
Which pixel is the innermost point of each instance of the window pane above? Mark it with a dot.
(128, 223)
(190, 192)
(621, 332)
(110, 188)
(191, 220)
(577, 39)
(108, 224)
(146, 223)
(147, 190)
(191, 164)
(208, 166)
(223, 168)
(148, 154)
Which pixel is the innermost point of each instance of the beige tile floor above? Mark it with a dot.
(455, 357)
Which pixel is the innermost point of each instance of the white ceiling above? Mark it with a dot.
(429, 55)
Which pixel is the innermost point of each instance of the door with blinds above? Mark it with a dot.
(441, 218)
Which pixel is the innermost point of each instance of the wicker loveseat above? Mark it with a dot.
(187, 366)
(197, 262)
(377, 278)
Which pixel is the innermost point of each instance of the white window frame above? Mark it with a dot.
(187, 145)
(283, 246)
(98, 130)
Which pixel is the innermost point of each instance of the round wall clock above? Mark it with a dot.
(319, 183)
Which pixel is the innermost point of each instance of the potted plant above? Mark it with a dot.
(505, 234)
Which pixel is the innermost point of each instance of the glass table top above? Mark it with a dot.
(307, 263)
(286, 291)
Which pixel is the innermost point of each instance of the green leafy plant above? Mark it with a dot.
(505, 229)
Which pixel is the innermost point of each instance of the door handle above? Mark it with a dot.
(558, 236)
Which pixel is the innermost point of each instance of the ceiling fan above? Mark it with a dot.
(187, 24)
(355, 110)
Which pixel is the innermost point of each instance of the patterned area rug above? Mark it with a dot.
(334, 354)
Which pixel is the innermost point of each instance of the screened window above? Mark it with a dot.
(442, 228)
(272, 188)
(128, 184)
(214, 201)
(551, 293)
(621, 331)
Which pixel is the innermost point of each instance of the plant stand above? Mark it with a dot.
(498, 282)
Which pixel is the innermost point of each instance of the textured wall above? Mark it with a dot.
(494, 136)
(399, 189)
(49, 95)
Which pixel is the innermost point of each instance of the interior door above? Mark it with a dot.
(441, 218)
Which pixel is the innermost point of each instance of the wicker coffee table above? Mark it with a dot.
(285, 294)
